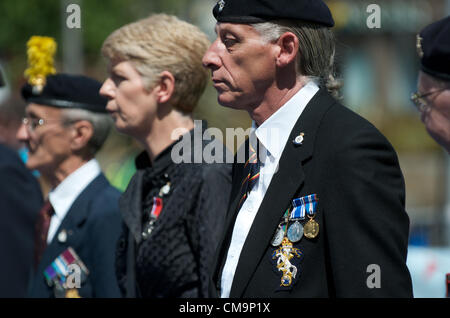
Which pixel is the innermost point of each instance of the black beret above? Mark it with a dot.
(255, 11)
(433, 46)
(68, 91)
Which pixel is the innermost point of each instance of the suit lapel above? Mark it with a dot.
(238, 176)
(285, 183)
(74, 218)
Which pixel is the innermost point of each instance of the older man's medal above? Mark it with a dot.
(295, 232)
(280, 234)
(311, 228)
(302, 206)
(278, 237)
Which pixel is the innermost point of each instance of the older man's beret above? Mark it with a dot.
(433, 46)
(255, 11)
(67, 91)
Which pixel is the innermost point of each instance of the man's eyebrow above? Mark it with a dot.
(31, 114)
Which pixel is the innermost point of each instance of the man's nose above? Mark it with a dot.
(211, 59)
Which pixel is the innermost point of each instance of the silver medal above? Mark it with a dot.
(295, 232)
(164, 190)
(278, 237)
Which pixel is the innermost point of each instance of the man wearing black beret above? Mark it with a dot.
(433, 87)
(322, 213)
(64, 127)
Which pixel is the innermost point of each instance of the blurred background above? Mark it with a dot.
(378, 67)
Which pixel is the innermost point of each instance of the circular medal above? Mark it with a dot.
(72, 293)
(311, 229)
(278, 237)
(295, 232)
(165, 189)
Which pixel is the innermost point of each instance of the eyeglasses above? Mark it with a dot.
(420, 101)
(33, 123)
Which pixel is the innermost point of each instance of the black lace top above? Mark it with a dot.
(174, 257)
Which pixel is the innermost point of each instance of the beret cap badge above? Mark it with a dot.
(419, 40)
(221, 4)
(40, 51)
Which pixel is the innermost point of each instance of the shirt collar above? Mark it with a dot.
(63, 196)
(274, 132)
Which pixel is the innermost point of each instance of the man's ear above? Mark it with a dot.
(82, 132)
(289, 45)
(165, 88)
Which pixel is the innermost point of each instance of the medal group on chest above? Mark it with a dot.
(291, 230)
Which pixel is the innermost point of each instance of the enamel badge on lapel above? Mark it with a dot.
(62, 236)
(299, 139)
(284, 256)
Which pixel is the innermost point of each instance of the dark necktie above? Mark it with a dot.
(251, 174)
(42, 226)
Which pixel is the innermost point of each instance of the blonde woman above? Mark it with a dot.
(173, 213)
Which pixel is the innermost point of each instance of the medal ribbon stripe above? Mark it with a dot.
(57, 272)
(62, 265)
(68, 256)
(252, 166)
(157, 207)
(303, 205)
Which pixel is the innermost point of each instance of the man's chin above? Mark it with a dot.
(229, 103)
(31, 165)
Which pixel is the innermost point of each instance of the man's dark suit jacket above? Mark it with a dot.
(93, 226)
(20, 201)
(355, 173)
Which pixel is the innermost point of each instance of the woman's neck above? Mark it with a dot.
(165, 131)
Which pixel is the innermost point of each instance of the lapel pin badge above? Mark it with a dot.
(62, 236)
(299, 139)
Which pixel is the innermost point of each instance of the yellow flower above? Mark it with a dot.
(40, 51)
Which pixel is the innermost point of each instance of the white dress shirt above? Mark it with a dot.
(65, 194)
(273, 135)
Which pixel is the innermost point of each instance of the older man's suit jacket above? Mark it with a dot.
(361, 247)
(93, 226)
(20, 201)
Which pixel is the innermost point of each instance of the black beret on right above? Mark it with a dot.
(255, 11)
(433, 45)
(68, 91)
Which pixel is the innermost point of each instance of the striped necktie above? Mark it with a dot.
(42, 226)
(251, 174)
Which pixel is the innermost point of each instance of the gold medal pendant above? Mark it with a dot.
(72, 293)
(311, 228)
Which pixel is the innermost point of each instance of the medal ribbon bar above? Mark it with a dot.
(303, 205)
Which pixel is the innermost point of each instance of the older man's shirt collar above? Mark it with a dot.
(273, 134)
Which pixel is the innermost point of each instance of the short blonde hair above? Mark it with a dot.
(160, 43)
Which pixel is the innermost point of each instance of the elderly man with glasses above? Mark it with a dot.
(76, 233)
(433, 87)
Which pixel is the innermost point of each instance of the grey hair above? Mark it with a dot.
(316, 50)
(101, 124)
